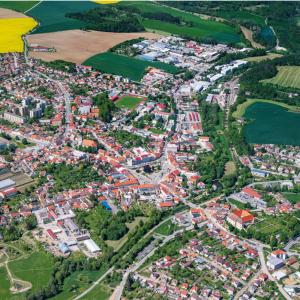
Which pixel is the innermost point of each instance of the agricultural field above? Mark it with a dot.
(51, 15)
(288, 76)
(241, 15)
(262, 58)
(125, 66)
(201, 28)
(91, 43)
(21, 6)
(129, 102)
(11, 31)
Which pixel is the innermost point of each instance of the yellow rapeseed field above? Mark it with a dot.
(11, 31)
(106, 1)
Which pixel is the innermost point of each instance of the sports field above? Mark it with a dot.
(288, 76)
(11, 31)
(125, 66)
(129, 102)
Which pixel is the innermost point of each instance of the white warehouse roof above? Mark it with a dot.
(91, 245)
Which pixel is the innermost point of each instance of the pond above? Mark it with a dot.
(272, 124)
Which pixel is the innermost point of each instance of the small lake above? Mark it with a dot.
(272, 124)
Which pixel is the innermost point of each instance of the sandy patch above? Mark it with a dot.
(9, 14)
(77, 45)
(249, 36)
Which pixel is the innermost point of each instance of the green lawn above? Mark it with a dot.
(288, 76)
(131, 226)
(129, 102)
(238, 204)
(20, 6)
(125, 66)
(51, 15)
(292, 197)
(5, 293)
(166, 228)
(156, 130)
(241, 108)
(76, 283)
(100, 292)
(36, 269)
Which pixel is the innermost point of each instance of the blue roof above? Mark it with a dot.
(64, 247)
(106, 205)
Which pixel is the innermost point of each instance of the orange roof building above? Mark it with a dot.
(89, 143)
(240, 218)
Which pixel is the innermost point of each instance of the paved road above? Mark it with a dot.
(112, 268)
(119, 290)
(94, 284)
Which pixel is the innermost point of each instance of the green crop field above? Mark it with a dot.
(125, 66)
(200, 28)
(129, 102)
(36, 269)
(20, 6)
(288, 76)
(51, 15)
(262, 58)
(241, 15)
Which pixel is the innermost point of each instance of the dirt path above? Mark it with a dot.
(248, 34)
(16, 285)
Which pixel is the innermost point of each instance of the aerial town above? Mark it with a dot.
(167, 186)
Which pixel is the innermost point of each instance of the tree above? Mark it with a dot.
(30, 222)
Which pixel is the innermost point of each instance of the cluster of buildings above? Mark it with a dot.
(60, 232)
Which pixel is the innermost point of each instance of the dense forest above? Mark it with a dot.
(109, 18)
(120, 18)
(256, 16)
